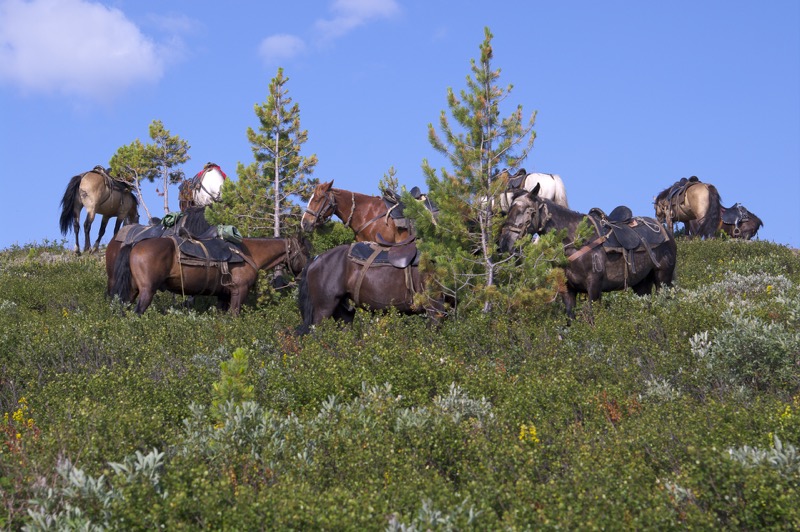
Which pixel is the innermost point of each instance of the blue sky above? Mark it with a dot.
(631, 96)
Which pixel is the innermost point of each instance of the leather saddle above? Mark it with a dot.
(395, 206)
(397, 254)
(621, 231)
(680, 186)
(735, 215)
(517, 180)
(207, 246)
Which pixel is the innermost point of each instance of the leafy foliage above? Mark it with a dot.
(676, 410)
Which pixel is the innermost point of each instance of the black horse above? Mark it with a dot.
(364, 274)
(626, 251)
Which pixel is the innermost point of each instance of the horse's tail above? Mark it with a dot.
(304, 303)
(68, 203)
(122, 273)
(713, 218)
(561, 192)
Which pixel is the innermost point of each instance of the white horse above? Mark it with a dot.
(203, 189)
(550, 187)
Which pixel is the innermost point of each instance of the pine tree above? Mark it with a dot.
(258, 202)
(159, 160)
(460, 246)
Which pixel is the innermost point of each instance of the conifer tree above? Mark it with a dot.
(460, 246)
(258, 202)
(159, 160)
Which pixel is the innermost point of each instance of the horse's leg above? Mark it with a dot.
(87, 228)
(103, 224)
(569, 296)
(76, 226)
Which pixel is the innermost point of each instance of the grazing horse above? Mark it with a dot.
(156, 264)
(100, 194)
(687, 200)
(736, 222)
(626, 251)
(338, 276)
(203, 189)
(367, 216)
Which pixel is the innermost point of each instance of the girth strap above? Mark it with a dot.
(367, 264)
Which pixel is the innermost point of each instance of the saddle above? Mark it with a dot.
(735, 215)
(111, 181)
(207, 247)
(517, 180)
(680, 186)
(620, 231)
(397, 254)
(395, 207)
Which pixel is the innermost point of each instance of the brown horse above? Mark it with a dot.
(193, 220)
(736, 222)
(606, 262)
(366, 215)
(334, 279)
(154, 264)
(687, 200)
(99, 194)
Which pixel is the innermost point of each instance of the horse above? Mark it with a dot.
(608, 261)
(367, 216)
(687, 200)
(193, 220)
(100, 194)
(154, 264)
(203, 189)
(551, 187)
(334, 278)
(736, 222)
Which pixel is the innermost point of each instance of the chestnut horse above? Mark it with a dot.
(333, 279)
(366, 215)
(687, 200)
(100, 194)
(594, 268)
(153, 264)
(193, 220)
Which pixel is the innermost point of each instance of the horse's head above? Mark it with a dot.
(321, 207)
(298, 253)
(524, 216)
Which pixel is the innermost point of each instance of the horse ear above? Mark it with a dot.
(535, 191)
(328, 185)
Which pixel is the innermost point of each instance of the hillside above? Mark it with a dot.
(678, 410)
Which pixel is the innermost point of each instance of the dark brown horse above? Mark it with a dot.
(601, 264)
(366, 215)
(98, 193)
(687, 200)
(334, 279)
(153, 264)
(736, 222)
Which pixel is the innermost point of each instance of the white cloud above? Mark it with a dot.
(350, 14)
(280, 47)
(74, 47)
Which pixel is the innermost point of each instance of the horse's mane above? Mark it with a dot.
(195, 220)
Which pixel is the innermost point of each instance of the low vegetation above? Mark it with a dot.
(677, 410)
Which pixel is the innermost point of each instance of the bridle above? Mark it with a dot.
(292, 252)
(536, 215)
(326, 210)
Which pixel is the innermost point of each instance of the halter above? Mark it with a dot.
(321, 216)
(532, 215)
